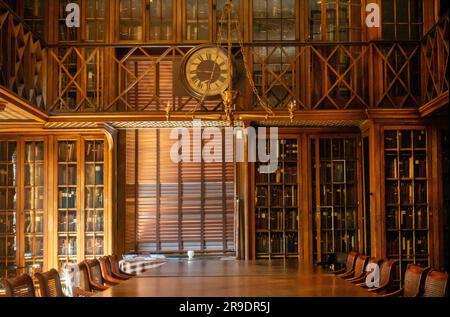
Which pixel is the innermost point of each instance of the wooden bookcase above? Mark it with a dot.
(277, 205)
(81, 195)
(62, 215)
(8, 207)
(334, 195)
(406, 196)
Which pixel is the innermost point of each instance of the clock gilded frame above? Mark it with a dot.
(197, 71)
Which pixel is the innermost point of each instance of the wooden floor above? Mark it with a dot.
(216, 278)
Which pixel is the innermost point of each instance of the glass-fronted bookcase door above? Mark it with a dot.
(406, 204)
(335, 199)
(23, 205)
(276, 203)
(8, 207)
(81, 199)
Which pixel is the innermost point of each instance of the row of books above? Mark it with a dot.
(67, 151)
(338, 195)
(406, 218)
(34, 247)
(94, 151)
(7, 224)
(342, 241)
(405, 166)
(67, 198)
(342, 219)
(94, 246)
(34, 152)
(276, 220)
(67, 246)
(405, 245)
(94, 174)
(94, 198)
(67, 221)
(409, 194)
(8, 150)
(7, 175)
(405, 139)
(34, 223)
(277, 243)
(279, 197)
(7, 246)
(94, 221)
(7, 199)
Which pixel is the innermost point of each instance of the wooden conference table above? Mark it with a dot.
(231, 278)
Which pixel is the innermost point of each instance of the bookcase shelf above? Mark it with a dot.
(406, 197)
(276, 201)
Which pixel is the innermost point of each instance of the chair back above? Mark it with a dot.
(94, 271)
(106, 271)
(387, 272)
(114, 261)
(436, 284)
(84, 277)
(21, 286)
(360, 265)
(50, 284)
(351, 260)
(414, 280)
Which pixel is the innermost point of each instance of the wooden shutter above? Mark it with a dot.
(179, 206)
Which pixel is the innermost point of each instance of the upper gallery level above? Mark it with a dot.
(127, 55)
(199, 21)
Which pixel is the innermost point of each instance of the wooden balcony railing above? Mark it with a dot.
(22, 60)
(435, 67)
(316, 76)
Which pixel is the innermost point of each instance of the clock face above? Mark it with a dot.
(206, 72)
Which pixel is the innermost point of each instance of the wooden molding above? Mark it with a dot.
(434, 105)
(22, 105)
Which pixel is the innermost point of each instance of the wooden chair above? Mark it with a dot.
(387, 271)
(359, 270)
(118, 274)
(21, 286)
(436, 284)
(94, 275)
(349, 266)
(106, 272)
(114, 261)
(84, 290)
(50, 284)
(362, 278)
(413, 282)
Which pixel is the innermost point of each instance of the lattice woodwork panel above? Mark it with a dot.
(22, 61)
(80, 73)
(275, 71)
(339, 77)
(435, 61)
(397, 71)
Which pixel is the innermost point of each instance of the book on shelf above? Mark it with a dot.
(420, 167)
(406, 193)
(406, 166)
(406, 217)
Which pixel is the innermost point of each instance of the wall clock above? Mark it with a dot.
(205, 71)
